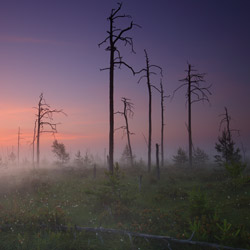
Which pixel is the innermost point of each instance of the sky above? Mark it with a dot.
(51, 47)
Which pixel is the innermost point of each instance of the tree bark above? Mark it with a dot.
(162, 125)
(38, 131)
(18, 147)
(157, 161)
(190, 143)
(149, 111)
(111, 101)
(115, 35)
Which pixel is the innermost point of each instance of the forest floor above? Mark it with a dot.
(203, 203)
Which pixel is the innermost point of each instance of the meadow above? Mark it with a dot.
(43, 208)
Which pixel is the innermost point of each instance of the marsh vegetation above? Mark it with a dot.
(40, 208)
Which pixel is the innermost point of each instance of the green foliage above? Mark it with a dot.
(235, 169)
(181, 158)
(59, 150)
(32, 210)
(226, 232)
(199, 204)
(228, 154)
(200, 232)
(200, 158)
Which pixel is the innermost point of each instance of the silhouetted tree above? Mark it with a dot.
(59, 150)
(88, 159)
(78, 159)
(180, 159)
(33, 144)
(157, 161)
(228, 154)
(125, 157)
(12, 157)
(200, 157)
(18, 146)
(115, 35)
(196, 92)
(161, 91)
(148, 73)
(127, 112)
(44, 122)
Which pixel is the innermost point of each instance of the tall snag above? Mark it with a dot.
(115, 35)
(161, 91)
(147, 75)
(44, 122)
(128, 107)
(193, 82)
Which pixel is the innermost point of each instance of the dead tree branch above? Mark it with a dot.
(195, 93)
(163, 97)
(148, 71)
(44, 122)
(128, 111)
(116, 35)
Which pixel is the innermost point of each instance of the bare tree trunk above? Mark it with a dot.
(190, 143)
(38, 131)
(111, 103)
(228, 124)
(149, 111)
(33, 145)
(161, 91)
(127, 111)
(157, 161)
(18, 147)
(115, 35)
(193, 82)
(149, 85)
(129, 143)
(44, 118)
(162, 124)
(162, 134)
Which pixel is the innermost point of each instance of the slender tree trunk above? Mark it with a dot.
(189, 119)
(18, 147)
(128, 133)
(111, 101)
(33, 145)
(228, 124)
(162, 126)
(157, 161)
(162, 135)
(149, 112)
(38, 132)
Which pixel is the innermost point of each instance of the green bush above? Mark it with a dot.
(199, 204)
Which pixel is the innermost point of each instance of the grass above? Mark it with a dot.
(33, 203)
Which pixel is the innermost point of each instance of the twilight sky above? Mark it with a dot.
(51, 46)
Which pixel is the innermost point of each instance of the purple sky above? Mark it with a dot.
(52, 47)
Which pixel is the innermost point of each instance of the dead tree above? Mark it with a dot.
(161, 91)
(157, 161)
(148, 73)
(225, 146)
(115, 35)
(45, 122)
(196, 92)
(18, 146)
(33, 144)
(127, 112)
